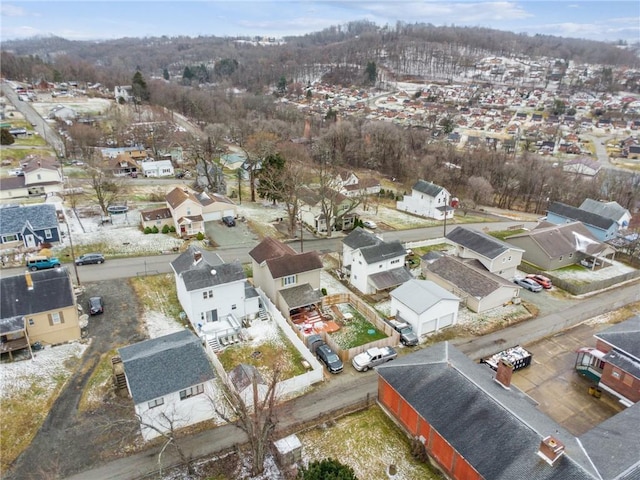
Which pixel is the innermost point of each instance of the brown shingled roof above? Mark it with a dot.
(270, 248)
(294, 263)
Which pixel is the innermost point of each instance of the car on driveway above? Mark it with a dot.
(541, 279)
(329, 358)
(96, 305)
(229, 221)
(369, 224)
(529, 284)
(89, 258)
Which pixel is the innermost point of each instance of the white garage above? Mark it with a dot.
(426, 306)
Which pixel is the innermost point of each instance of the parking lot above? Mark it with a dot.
(560, 392)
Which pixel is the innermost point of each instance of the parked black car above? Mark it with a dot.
(96, 305)
(229, 221)
(329, 358)
(88, 258)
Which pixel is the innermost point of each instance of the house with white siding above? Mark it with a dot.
(424, 305)
(171, 382)
(372, 264)
(427, 200)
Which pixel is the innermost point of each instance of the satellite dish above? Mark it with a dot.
(213, 272)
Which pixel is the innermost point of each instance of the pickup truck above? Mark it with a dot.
(373, 357)
(407, 335)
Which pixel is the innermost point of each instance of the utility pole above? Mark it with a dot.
(73, 255)
(445, 215)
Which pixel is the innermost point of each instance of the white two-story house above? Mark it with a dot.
(372, 264)
(498, 257)
(215, 295)
(427, 200)
(190, 210)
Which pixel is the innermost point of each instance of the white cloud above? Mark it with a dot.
(12, 11)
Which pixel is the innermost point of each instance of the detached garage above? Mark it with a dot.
(426, 306)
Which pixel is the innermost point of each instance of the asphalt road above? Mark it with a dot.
(156, 264)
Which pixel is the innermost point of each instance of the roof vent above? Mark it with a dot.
(213, 272)
(197, 256)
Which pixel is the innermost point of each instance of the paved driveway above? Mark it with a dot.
(560, 392)
(224, 236)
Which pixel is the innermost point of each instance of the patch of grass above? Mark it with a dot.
(420, 251)
(368, 441)
(280, 352)
(98, 384)
(502, 234)
(102, 247)
(445, 335)
(356, 331)
(263, 230)
(20, 153)
(30, 141)
(158, 292)
(22, 416)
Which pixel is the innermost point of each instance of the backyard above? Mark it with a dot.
(355, 329)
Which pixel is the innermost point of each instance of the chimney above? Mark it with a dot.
(503, 375)
(551, 449)
(197, 256)
(29, 280)
(307, 129)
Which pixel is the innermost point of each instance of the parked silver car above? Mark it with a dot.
(529, 284)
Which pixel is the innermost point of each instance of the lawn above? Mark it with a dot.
(502, 234)
(355, 331)
(368, 441)
(158, 293)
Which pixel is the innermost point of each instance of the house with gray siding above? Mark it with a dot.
(550, 246)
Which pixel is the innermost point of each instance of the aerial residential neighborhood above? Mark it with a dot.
(217, 270)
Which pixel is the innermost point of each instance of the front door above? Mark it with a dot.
(30, 240)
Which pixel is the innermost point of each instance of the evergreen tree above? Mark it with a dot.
(327, 469)
(139, 87)
(6, 138)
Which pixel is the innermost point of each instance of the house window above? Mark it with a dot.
(47, 233)
(504, 259)
(290, 280)
(9, 238)
(509, 259)
(202, 316)
(39, 177)
(560, 259)
(397, 260)
(615, 374)
(628, 380)
(55, 318)
(156, 403)
(31, 322)
(234, 307)
(571, 255)
(191, 392)
(208, 294)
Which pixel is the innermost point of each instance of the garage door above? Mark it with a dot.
(229, 213)
(208, 217)
(445, 321)
(428, 326)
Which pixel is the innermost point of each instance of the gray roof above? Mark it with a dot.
(14, 217)
(165, 365)
(12, 324)
(249, 290)
(382, 251)
(479, 242)
(470, 276)
(207, 272)
(52, 290)
(611, 210)
(624, 337)
(558, 240)
(300, 295)
(614, 445)
(429, 188)
(498, 431)
(390, 278)
(421, 295)
(359, 238)
(588, 218)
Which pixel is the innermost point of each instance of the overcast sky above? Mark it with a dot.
(96, 20)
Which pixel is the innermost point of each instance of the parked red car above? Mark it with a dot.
(541, 279)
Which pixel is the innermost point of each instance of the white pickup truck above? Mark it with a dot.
(373, 357)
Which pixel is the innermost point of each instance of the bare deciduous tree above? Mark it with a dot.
(256, 417)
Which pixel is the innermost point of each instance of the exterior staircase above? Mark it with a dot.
(214, 344)
(263, 314)
(119, 379)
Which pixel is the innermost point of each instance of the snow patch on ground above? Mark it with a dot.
(158, 324)
(48, 364)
